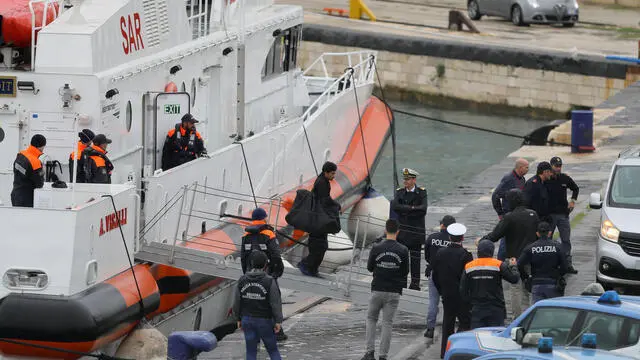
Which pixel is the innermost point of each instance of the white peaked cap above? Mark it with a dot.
(456, 229)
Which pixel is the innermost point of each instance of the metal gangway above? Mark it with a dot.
(352, 283)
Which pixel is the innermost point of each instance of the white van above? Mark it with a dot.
(618, 251)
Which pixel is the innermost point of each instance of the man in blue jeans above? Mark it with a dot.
(512, 180)
(435, 242)
(548, 265)
(258, 308)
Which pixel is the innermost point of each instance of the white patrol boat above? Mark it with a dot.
(131, 69)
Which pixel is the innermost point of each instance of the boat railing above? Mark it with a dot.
(56, 6)
(363, 72)
(329, 59)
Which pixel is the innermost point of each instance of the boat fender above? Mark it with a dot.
(147, 343)
(373, 206)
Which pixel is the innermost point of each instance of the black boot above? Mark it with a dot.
(369, 356)
(415, 285)
(429, 333)
(571, 270)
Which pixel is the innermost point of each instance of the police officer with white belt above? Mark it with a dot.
(435, 242)
(410, 206)
(548, 265)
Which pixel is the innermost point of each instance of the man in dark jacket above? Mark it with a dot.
(560, 208)
(548, 265)
(448, 267)
(435, 242)
(28, 174)
(536, 192)
(410, 206)
(86, 136)
(318, 242)
(183, 144)
(260, 237)
(482, 284)
(389, 263)
(513, 180)
(97, 166)
(257, 307)
(519, 230)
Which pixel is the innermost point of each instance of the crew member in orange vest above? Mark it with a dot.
(97, 166)
(86, 136)
(28, 173)
(183, 144)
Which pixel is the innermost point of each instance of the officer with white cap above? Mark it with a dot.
(410, 207)
(447, 272)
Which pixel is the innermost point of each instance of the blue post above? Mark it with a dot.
(582, 131)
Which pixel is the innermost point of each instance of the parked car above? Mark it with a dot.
(545, 351)
(524, 12)
(618, 250)
(613, 318)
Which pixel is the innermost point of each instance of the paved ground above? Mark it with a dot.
(335, 330)
(430, 20)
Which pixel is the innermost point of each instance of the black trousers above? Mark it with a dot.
(415, 258)
(486, 316)
(453, 308)
(318, 245)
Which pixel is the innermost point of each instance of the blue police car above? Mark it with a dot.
(613, 318)
(545, 351)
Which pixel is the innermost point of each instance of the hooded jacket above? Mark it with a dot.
(481, 283)
(257, 295)
(260, 237)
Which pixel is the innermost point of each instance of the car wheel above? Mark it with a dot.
(568, 25)
(516, 15)
(473, 9)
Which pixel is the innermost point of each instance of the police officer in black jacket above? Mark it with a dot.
(519, 230)
(447, 271)
(435, 242)
(548, 265)
(560, 208)
(482, 284)
(257, 307)
(536, 192)
(410, 206)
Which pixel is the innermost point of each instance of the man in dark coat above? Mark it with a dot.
(519, 230)
(318, 242)
(536, 192)
(513, 180)
(28, 174)
(410, 206)
(183, 144)
(482, 284)
(560, 208)
(447, 272)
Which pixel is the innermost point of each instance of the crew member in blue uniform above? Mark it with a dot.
(410, 206)
(513, 180)
(536, 192)
(86, 137)
(389, 263)
(28, 174)
(560, 208)
(548, 265)
(482, 284)
(183, 144)
(257, 307)
(435, 242)
(447, 271)
(259, 236)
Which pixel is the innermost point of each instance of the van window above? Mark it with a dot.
(625, 187)
(553, 322)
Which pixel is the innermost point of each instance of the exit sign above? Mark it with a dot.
(172, 109)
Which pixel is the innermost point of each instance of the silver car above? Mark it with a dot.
(618, 251)
(524, 12)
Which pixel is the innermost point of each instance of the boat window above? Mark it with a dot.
(283, 54)
(128, 116)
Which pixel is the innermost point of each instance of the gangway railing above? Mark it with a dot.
(351, 284)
